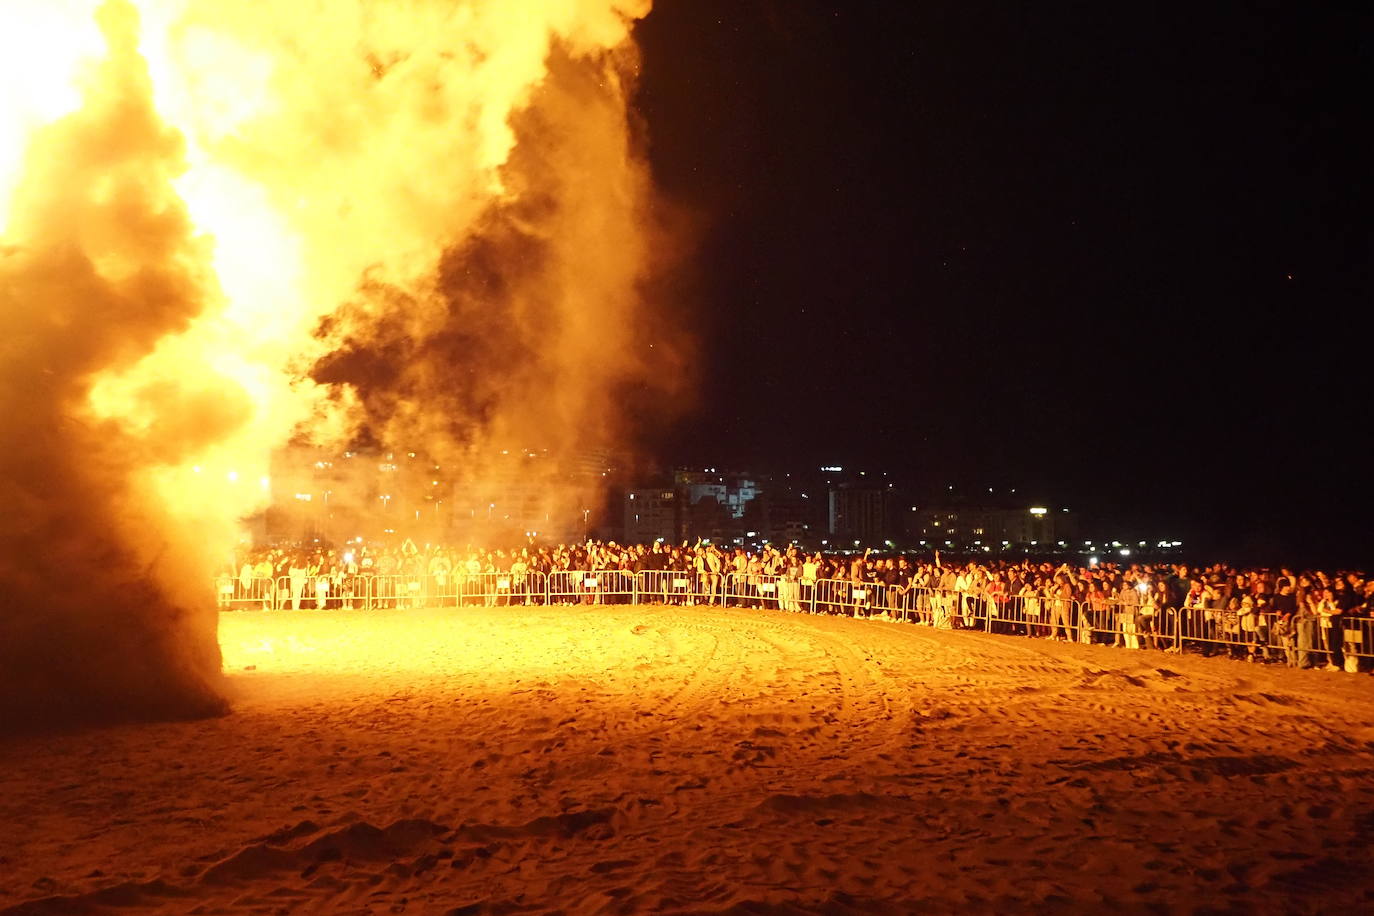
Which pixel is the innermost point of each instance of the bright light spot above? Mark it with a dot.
(1038, 510)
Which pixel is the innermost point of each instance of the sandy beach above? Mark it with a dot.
(700, 760)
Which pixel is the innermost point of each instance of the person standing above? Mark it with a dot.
(1308, 623)
(298, 573)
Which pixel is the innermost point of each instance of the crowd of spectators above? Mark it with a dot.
(1300, 618)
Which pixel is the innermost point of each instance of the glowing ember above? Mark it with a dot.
(427, 217)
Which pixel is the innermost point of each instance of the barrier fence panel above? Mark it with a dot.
(1103, 622)
(1358, 637)
(1100, 622)
(944, 609)
(1224, 631)
(973, 606)
(1300, 641)
(742, 590)
(789, 594)
(491, 589)
(398, 590)
(760, 590)
(676, 586)
(233, 593)
(851, 599)
(897, 600)
(1356, 634)
(1335, 640)
(598, 586)
(1012, 615)
(918, 605)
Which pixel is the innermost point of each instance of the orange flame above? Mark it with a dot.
(191, 190)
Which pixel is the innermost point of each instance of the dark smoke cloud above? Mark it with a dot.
(540, 332)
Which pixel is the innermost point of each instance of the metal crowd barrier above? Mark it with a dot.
(591, 586)
(1128, 625)
(751, 590)
(850, 599)
(317, 592)
(448, 588)
(677, 586)
(1236, 633)
(234, 593)
(1306, 642)
(938, 607)
(762, 590)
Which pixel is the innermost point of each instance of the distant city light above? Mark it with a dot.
(1038, 510)
(835, 469)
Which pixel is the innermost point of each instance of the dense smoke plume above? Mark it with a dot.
(427, 223)
(536, 331)
(102, 607)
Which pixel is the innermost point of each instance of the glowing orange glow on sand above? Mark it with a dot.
(203, 203)
(638, 759)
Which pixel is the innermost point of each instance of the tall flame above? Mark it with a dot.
(224, 223)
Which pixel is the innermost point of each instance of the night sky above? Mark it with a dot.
(1111, 254)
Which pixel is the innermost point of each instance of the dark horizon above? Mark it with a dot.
(1105, 254)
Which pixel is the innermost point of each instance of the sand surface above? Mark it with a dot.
(648, 759)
